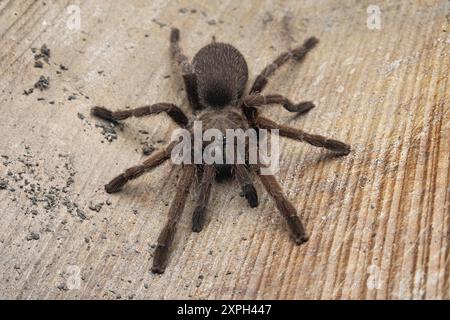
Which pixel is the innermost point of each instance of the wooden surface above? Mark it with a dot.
(378, 219)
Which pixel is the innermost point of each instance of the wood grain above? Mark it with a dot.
(378, 219)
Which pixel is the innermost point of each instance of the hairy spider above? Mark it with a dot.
(215, 83)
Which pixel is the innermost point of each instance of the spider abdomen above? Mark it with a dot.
(222, 74)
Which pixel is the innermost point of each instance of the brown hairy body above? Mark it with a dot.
(215, 84)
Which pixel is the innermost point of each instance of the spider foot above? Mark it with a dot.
(301, 239)
(297, 230)
(338, 147)
(310, 42)
(300, 108)
(174, 35)
(251, 195)
(198, 219)
(103, 113)
(158, 270)
(159, 259)
(116, 184)
(300, 52)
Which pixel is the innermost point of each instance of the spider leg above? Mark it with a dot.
(313, 139)
(132, 173)
(284, 206)
(172, 111)
(167, 234)
(242, 175)
(198, 217)
(298, 54)
(187, 71)
(261, 100)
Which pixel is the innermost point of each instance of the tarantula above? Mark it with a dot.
(215, 83)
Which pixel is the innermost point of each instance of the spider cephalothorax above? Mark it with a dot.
(215, 83)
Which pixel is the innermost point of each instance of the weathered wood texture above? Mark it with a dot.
(378, 219)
